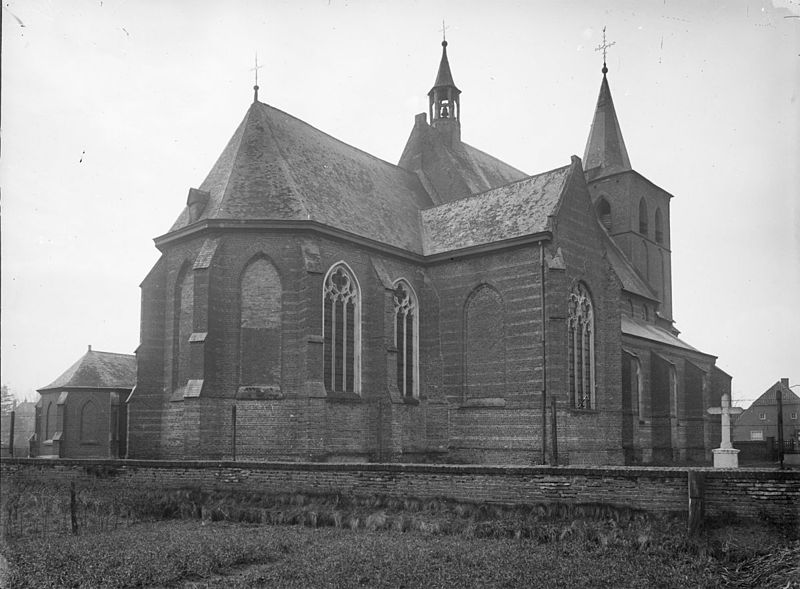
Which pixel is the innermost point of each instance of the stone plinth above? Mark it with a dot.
(726, 458)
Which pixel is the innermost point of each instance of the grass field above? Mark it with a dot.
(199, 553)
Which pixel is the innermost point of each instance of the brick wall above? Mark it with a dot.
(753, 494)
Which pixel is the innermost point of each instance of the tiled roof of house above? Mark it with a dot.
(98, 370)
(277, 167)
(514, 210)
(769, 397)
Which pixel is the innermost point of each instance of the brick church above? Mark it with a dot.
(315, 303)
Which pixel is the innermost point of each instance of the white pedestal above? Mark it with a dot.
(726, 458)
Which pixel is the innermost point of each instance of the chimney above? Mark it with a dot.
(90, 348)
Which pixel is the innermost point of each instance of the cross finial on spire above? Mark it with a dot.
(444, 31)
(255, 87)
(604, 47)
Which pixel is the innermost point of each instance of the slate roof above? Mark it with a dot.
(651, 332)
(277, 167)
(98, 370)
(605, 150)
(770, 396)
(514, 210)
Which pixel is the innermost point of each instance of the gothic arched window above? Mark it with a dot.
(260, 324)
(643, 217)
(88, 424)
(580, 339)
(341, 318)
(659, 227)
(604, 213)
(406, 338)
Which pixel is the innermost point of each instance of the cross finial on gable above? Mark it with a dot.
(604, 48)
(255, 87)
(444, 33)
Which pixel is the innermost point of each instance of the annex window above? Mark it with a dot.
(580, 340)
(794, 415)
(756, 435)
(762, 415)
(659, 226)
(342, 330)
(643, 217)
(406, 338)
(88, 422)
(604, 213)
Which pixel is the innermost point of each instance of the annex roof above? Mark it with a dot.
(277, 167)
(514, 210)
(98, 370)
(648, 331)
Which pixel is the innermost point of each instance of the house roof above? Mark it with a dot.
(514, 210)
(605, 150)
(98, 370)
(770, 396)
(636, 328)
(277, 167)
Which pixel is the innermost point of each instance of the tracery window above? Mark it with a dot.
(406, 338)
(580, 339)
(342, 330)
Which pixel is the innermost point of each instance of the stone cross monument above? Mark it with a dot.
(726, 456)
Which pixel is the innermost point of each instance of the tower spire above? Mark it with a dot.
(605, 150)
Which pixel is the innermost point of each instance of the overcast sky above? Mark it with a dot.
(112, 110)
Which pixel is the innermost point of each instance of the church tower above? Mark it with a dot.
(634, 211)
(444, 106)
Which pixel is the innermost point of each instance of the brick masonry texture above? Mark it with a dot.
(749, 494)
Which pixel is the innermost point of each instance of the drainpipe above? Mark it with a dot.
(544, 355)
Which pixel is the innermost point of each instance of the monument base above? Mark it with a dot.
(726, 458)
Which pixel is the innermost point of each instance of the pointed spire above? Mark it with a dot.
(605, 149)
(443, 99)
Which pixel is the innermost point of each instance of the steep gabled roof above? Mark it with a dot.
(770, 396)
(277, 167)
(514, 210)
(98, 370)
(605, 150)
(451, 168)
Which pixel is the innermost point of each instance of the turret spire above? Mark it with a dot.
(443, 98)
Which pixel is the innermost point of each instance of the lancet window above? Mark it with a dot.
(406, 338)
(342, 330)
(580, 339)
(88, 422)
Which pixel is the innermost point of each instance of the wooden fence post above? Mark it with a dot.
(73, 508)
(697, 484)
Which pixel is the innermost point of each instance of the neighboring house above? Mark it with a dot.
(760, 421)
(314, 302)
(82, 413)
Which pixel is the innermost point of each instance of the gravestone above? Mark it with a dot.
(726, 456)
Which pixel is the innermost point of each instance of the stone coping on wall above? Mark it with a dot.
(443, 469)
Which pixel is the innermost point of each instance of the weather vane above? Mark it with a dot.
(255, 87)
(604, 47)
(444, 30)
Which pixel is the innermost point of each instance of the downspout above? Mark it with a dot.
(544, 355)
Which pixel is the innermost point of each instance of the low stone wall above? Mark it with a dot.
(748, 493)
